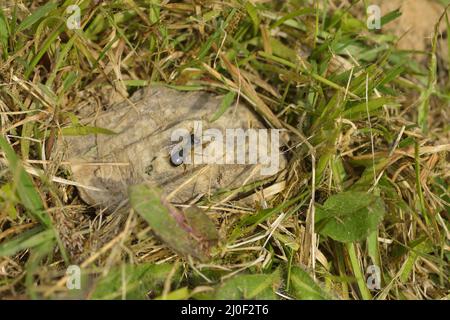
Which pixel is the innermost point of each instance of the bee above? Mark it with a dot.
(177, 154)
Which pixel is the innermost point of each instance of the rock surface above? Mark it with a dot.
(139, 151)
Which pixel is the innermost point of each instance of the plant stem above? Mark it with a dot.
(365, 293)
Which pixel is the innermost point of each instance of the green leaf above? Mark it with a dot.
(136, 83)
(84, 131)
(28, 239)
(4, 33)
(253, 14)
(168, 223)
(392, 74)
(250, 286)
(69, 80)
(34, 265)
(132, 282)
(420, 247)
(283, 51)
(204, 50)
(291, 15)
(360, 110)
(36, 16)
(9, 200)
(224, 105)
(391, 16)
(249, 222)
(350, 216)
(49, 41)
(447, 22)
(179, 294)
(200, 224)
(26, 190)
(303, 286)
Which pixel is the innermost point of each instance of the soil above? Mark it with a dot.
(139, 151)
(415, 27)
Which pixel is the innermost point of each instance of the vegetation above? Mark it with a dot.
(366, 188)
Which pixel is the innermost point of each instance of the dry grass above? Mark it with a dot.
(360, 116)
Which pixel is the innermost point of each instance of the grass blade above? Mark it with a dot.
(26, 190)
(36, 16)
(29, 239)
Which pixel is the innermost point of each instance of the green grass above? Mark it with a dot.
(363, 118)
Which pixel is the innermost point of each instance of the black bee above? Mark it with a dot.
(177, 156)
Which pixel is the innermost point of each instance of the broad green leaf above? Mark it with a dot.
(250, 286)
(26, 190)
(84, 131)
(303, 286)
(200, 224)
(224, 105)
(132, 281)
(28, 239)
(36, 16)
(168, 223)
(350, 216)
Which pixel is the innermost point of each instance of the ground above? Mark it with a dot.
(361, 212)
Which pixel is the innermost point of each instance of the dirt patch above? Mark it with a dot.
(139, 151)
(416, 24)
